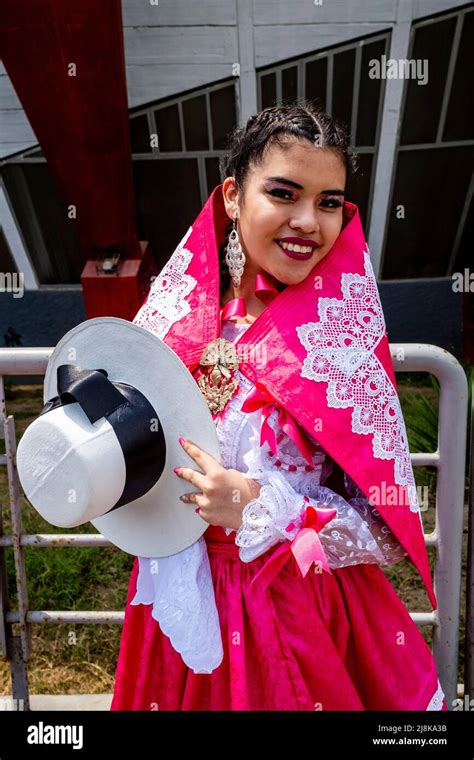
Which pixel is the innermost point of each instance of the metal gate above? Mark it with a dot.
(449, 459)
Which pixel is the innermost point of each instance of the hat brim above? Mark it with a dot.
(157, 524)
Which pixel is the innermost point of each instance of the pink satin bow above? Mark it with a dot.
(264, 290)
(258, 398)
(304, 549)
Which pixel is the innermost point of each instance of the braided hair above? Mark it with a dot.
(246, 146)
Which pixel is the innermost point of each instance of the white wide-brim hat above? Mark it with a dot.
(77, 462)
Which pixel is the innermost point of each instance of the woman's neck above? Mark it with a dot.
(253, 305)
(246, 290)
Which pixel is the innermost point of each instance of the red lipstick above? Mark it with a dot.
(301, 255)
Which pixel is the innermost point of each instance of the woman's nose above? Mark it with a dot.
(307, 222)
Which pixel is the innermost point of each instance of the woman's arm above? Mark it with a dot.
(356, 535)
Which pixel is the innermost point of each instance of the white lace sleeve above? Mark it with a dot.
(357, 534)
(391, 548)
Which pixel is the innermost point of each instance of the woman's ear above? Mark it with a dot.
(231, 197)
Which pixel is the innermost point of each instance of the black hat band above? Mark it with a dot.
(133, 419)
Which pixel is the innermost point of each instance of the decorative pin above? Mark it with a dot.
(216, 380)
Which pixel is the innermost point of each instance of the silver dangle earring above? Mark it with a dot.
(235, 257)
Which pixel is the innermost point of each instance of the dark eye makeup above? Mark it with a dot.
(335, 201)
(281, 193)
(328, 201)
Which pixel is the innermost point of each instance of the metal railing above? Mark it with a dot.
(449, 459)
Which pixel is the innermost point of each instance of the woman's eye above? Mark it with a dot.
(331, 203)
(280, 193)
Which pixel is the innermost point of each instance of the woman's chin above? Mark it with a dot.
(284, 277)
(292, 278)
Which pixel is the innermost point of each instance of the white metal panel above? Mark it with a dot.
(164, 62)
(15, 130)
(8, 97)
(178, 12)
(269, 12)
(430, 7)
(179, 44)
(145, 85)
(16, 133)
(276, 43)
(273, 12)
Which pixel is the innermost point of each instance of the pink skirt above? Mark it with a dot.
(323, 642)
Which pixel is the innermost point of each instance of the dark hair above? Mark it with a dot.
(246, 146)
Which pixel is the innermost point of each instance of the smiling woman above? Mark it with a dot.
(282, 603)
(275, 223)
(284, 185)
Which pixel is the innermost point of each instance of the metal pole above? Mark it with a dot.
(469, 650)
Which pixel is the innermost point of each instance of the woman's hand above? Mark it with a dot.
(224, 492)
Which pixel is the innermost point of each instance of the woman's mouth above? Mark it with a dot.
(294, 251)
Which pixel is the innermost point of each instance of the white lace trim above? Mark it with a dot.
(264, 519)
(230, 424)
(229, 427)
(341, 353)
(436, 701)
(181, 591)
(166, 302)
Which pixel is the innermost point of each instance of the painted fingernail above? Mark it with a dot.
(176, 470)
(180, 441)
(197, 509)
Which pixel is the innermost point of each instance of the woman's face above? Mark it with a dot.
(297, 192)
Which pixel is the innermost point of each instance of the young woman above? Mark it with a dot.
(271, 302)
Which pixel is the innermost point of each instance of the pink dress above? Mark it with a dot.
(198, 636)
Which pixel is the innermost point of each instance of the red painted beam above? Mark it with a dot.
(66, 63)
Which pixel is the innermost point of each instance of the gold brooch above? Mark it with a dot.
(216, 382)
